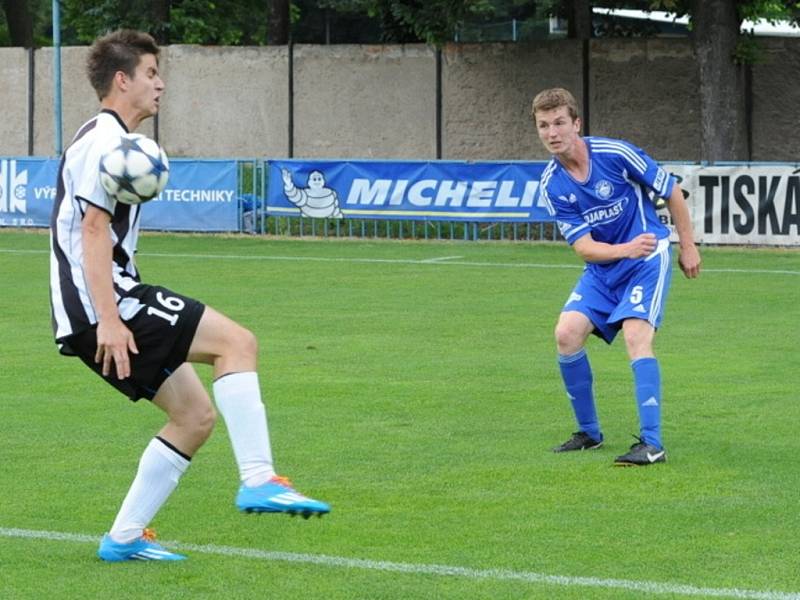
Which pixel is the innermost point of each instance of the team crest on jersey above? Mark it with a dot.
(603, 189)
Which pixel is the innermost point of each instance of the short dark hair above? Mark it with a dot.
(120, 50)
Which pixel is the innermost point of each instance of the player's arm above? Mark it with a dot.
(593, 251)
(689, 259)
(114, 340)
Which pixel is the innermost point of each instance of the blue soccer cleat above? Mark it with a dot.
(144, 548)
(278, 496)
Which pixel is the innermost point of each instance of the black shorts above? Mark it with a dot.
(163, 330)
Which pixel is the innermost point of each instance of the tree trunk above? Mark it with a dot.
(715, 32)
(160, 10)
(579, 17)
(277, 22)
(20, 24)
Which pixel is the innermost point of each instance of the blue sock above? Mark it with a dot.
(647, 379)
(577, 375)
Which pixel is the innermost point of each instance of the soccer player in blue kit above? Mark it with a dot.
(598, 190)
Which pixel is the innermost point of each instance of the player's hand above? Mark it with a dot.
(114, 342)
(689, 261)
(642, 245)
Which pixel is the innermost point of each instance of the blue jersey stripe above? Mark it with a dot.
(627, 153)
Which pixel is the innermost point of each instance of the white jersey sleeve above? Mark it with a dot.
(83, 168)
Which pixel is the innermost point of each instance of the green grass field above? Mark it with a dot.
(414, 386)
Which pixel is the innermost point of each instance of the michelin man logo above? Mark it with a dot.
(316, 200)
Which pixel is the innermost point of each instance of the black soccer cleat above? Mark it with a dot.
(641, 454)
(580, 440)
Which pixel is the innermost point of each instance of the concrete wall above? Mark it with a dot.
(487, 94)
(365, 102)
(223, 102)
(776, 101)
(381, 101)
(645, 91)
(13, 101)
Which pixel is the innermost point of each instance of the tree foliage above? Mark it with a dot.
(211, 22)
(432, 21)
(246, 22)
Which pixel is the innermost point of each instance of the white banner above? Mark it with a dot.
(752, 205)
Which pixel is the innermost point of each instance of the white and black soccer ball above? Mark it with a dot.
(134, 169)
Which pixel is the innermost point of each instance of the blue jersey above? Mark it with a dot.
(612, 204)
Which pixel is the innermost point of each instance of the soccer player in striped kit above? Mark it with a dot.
(142, 338)
(598, 190)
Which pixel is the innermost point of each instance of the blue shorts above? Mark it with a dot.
(642, 295)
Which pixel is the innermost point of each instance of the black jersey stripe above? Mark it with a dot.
(121, 225)
(70, 297)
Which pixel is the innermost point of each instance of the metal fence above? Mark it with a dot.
(404, 230)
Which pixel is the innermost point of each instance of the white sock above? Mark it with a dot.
(160, 469)
(238, 398)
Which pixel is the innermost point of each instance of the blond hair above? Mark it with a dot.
(553, 98)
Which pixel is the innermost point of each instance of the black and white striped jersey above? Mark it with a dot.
(78, 187)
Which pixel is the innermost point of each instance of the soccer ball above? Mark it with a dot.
(134, 169)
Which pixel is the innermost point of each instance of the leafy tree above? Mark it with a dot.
(722, 55)
(213, 22)
(403, 21)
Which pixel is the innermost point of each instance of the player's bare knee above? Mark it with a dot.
(638, 344)
(569, 339)
(245, 343)
(638, 335)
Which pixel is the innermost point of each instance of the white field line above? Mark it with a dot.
(649, 587)
(444, 260)
(440, 259)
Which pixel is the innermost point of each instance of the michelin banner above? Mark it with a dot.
(200, 195)
(449, 191)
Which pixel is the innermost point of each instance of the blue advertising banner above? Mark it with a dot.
(200, 195)
(451, 191)
(27, 191)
